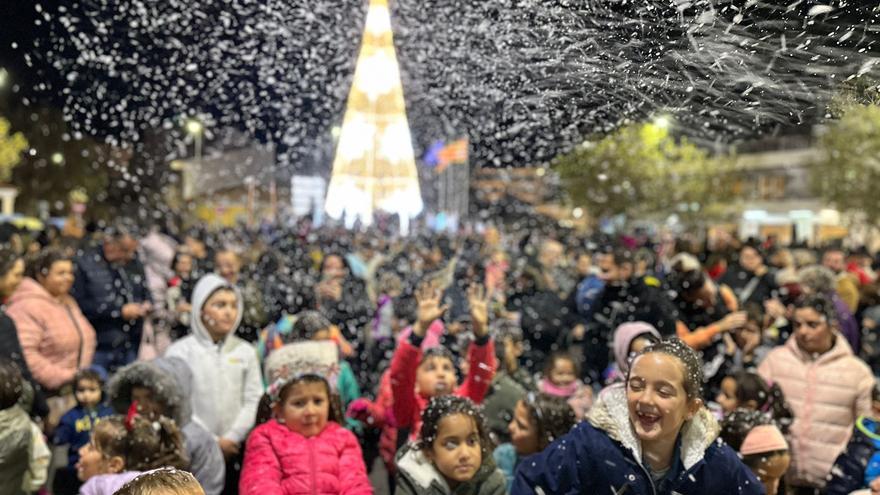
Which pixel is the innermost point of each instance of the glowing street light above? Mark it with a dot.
(663, 122)
(194, 127)
(4, 78)
(57, 158)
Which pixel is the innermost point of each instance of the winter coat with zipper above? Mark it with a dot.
(227, 380)
(15, 442)
(416, 475)
(408, 405)
(604, 452)
(827, 393)
(170, 381)
(57, 340)
(278, 461)
(849, 471)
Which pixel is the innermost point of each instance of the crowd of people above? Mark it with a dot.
(498, 360)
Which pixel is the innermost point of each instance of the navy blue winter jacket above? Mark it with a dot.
(604, 453)
(101, 289)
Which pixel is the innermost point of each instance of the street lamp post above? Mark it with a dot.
(196, 129)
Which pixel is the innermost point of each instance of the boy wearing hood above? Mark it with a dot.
(163, 387)
(227, 379)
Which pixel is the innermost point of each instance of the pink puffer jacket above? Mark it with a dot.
(278, 461)
(827, 394)
(57, 340)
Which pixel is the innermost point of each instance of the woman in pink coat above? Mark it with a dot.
(56, 338)
(827, 387)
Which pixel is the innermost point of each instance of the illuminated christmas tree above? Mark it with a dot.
(374, 168)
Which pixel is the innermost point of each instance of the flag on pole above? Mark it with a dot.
(454, 152)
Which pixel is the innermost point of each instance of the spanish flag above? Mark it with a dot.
(454, 152)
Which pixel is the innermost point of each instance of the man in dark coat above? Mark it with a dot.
(625, 298)
(110, 288)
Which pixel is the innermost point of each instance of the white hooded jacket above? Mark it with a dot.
(227, 383)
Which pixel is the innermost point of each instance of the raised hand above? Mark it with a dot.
(479, 305)
(428, 296)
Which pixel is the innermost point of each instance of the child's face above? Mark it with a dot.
(92, 462)
(88, 393)
(184, 265)
(435, 377)
(148, 406)
(523, 434)
(727, 396)
(456, 452)
(513, 349)
(220, 313)
(657, 401)
(305, 408)
(771, 470)
(562, 373)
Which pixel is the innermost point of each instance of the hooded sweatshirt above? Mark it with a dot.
(624, 336)
(55, 337)
(227, 383)
(170, 381)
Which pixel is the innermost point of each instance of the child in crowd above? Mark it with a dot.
(418, 376)
(76, 426)
(629, 340)
(760, 445)
(227, 383)
(179, 293)
(538, 420)
(122, 447)
(561, 380)
(24, 456)
(858, 467)
(747, 390)
(165, 481)
(303, 448)
(511, 382)
(452, 453)
(162, 388)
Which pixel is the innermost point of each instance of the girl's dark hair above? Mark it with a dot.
(754, 312)
(307, 324)
(735, 428)
(437, 351)
(41, 263)
(8, 257)
(11, 386)
(164, 481)
(145, 446)
(693, 366)
(550, 363)
(265, 411)
(180, 253)
(552, 417)
(768, 397)
(821, 303)
(450, 405)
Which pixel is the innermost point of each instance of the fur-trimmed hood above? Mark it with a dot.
(170, 379)
(420, 476)
(611, 415)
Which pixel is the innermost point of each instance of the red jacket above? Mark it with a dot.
(278, 461)
(408, 405)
